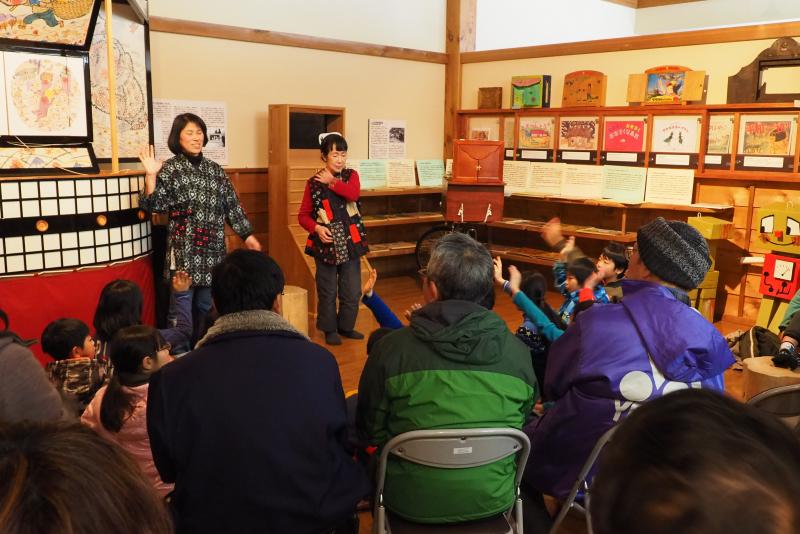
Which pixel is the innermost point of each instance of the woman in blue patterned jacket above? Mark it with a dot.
(199, 198)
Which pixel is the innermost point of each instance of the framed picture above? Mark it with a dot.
(720, 134)
(61, 24)
(678, 134)
(665, 87)
(134, 87)
(536, 132)
(767, 135)
(624, 140)
(31, 159)
(46, 95)
(578, 133)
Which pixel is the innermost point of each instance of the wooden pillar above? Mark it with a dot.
(112, 89)
(452, 80)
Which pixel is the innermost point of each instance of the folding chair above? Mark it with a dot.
(782, 402)
(454, 449)
(582, 484)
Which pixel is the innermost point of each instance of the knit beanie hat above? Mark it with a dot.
(674, 251)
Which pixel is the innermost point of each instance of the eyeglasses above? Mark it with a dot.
(423, 273)
(630, 250)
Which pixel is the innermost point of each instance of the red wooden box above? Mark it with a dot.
(477, 162)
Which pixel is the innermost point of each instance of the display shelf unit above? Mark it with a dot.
(726, 181)
(395, 219)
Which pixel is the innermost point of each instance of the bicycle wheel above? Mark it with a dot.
(425, 243)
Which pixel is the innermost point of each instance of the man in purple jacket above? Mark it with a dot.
(616, 356)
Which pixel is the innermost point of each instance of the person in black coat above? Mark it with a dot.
(251, 425)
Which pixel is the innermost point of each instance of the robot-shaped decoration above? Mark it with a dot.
(779, 226)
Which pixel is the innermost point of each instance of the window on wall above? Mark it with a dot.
(517, 23)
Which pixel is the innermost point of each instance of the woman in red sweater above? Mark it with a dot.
(330, 213)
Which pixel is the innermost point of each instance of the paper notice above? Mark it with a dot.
(583, 181)
(546, 178)
(669, 186)
(430, 172)
(400, 173)
(372, 173)
(387, 139)
(517, 176)
(214, 114)
(624, 184)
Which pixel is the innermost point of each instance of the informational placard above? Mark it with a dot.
(213, 113)
(582, 181)
(400, 173)
(448, 168)
(387, 139)
(517, 176)
(546, 178)
(430, 172)
(669, 186)
(371, 172)
(624, 184)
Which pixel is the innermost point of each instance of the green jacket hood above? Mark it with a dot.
(461, 331)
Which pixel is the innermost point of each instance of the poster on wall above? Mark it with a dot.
(48, 23)
(720, 141)
(767, 135)
(387, 139)
(536, 132)
(46, 95)
(134, 92)
(213, 113)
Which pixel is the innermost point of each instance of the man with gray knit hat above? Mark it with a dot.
(616, 356)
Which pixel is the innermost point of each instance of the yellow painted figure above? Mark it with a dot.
(779, 227)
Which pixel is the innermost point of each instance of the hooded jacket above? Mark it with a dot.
(455, 366)
(611, 359)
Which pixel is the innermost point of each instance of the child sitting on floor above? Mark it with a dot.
(118, 412)
(76, 373)
(611, 266)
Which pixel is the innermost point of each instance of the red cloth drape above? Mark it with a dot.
(32, 302)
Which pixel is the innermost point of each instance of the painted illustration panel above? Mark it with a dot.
(56, 23)
(624, 135)
(45, 95)
(21, 158)
(679, 134)
(767, 135)
(665, 87)
(578, 133)
(130, 58)
(536, 132)
(720, 134)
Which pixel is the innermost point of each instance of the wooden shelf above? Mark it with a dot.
(764, 175)
(385, 250)
(640, 110)
(403, 218)
(604, 203)
(525, 255)
(567, 229)
(396, 192)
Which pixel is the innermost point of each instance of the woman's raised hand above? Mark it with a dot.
(324, 176)
(147, 155)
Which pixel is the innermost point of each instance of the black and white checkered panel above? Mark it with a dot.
(74, 237)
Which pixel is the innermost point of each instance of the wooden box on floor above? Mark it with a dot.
(760, 374)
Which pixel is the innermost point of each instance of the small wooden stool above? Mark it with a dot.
(760, 374)
(295, 307)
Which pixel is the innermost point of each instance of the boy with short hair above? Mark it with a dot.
(611, 266)
(570, 276)
(76, 373)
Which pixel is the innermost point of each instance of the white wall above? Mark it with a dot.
(714, 13)
(416, 24)
(516, 23)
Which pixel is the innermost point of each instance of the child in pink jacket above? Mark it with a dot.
(118, 410)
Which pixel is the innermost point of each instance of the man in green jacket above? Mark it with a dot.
(456, 365)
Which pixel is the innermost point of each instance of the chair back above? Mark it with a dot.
(782, 402)
(583, 484)
(453, 449)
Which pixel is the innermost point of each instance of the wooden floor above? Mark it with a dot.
(399, 294)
